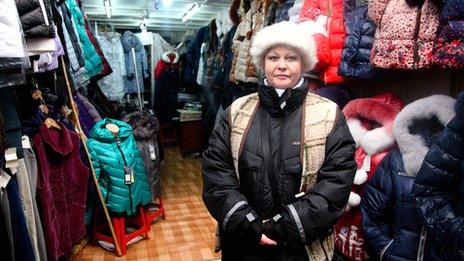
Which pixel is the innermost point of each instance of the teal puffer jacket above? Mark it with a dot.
(93, 62)
(109, 155)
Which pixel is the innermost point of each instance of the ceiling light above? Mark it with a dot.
(192, 10)
(166, 2)
(108, 8)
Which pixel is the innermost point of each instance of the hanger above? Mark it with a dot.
(37, 95)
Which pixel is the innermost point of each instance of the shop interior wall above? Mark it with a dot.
(413, 85)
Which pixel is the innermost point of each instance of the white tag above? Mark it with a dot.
(12, 164)
(10, 154)
(367, 163)
(152, 151)
(25, 142)
(4, 179)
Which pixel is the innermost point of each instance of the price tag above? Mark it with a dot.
(152, 151)
(25, 142)
(367, 163)
(4, 179)
(128, 175)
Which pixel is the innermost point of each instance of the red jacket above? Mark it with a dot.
(61, 189)
(370, 121)
(333, 44)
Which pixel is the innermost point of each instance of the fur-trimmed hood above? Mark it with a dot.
(416, 123)
(145, 126)
(371, 119)
(170, 57)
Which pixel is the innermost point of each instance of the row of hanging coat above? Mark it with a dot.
(381, 221)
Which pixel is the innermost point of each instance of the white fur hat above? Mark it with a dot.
(285, 33)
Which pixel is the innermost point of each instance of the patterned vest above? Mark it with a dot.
(318, 120)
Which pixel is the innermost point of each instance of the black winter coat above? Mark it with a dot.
(193, 57)
(360, 32)
(439, 188)
(146, 128)
(241, 208)
(33, 19)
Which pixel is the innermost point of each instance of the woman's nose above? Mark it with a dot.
(282, 64)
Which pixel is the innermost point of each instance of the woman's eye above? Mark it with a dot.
(273, 58)
(291, 58)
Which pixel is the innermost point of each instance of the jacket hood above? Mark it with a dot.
(145, 126)
(188, 37)
(129, 40)
(371, 120)
(101, 133)
(58, 140)
(170, 57)
(416, 126)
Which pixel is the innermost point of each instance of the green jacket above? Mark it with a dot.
(93, 62)
(108, 161)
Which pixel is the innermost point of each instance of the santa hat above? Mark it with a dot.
(285, 33)
(381, 109)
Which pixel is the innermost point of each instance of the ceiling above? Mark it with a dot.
(128, 14)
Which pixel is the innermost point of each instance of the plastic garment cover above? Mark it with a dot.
(13, 55)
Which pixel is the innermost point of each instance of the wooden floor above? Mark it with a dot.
(188, 231)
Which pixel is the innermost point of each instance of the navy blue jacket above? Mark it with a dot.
(360, 32)
(390, 221)
(439, 188)
(193, 57)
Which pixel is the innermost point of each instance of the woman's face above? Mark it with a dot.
(283, 67)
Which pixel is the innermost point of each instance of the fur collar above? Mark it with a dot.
(413, 147)
(380, 109)
(166, 58)
(145, 126)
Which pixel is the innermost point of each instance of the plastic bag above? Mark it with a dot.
(14, 57)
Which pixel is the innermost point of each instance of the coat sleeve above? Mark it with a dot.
(376, 206)
(145, 69)
(437, 184)
(95, 162)
(314, 214)
(221, 190)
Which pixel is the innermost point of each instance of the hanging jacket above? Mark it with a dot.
(113, 85)
(36, 18)
(146, 128)
(166, 86)
(73, 48)
(360, 32)
(106, 68)
(61, 189)
(405, 34)
(240, 206)
(439, 188)
(370, 121)
(282, 11)
(193, 57)
(294, 11)
(110, 156)
(332, 10)
(243, 69)
(93, 63)
(448, 50)
(390, 221)
(134, 79)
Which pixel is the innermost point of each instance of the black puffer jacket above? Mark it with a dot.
(241, 208)
(439, 188)
(35, 22)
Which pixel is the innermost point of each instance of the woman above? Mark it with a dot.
(275, 182)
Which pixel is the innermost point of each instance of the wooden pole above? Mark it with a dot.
(84, 139)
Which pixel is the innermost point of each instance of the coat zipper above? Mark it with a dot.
(416, 57)
(118, 144)
(421, 250)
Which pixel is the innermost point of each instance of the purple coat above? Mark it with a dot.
(61, 189)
